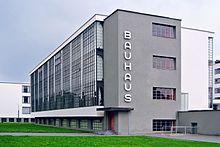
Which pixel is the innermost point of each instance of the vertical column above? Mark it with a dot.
(70, 67)
(48, 88)
(81, 79)
(43, 86)
(61, 66)
(54, 90)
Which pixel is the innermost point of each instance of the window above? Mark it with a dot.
(162, 30)
(163, 125)
(97, 124)
(164, 93)
(217, 71)
(217, 90)
(26, 110)
(165, 63)
(25, 89)
(217, 98)
(26, 99)
(83, 124)
(217, 80)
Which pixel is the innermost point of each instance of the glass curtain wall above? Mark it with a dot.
(73, 77)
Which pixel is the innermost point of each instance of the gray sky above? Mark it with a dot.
(32, 29)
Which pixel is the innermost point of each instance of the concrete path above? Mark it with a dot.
(193, 137)
(48, 134)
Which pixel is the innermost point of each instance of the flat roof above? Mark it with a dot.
(200, 30)
(142, 14)
(26, 83)
(96, 17)
(198, 111)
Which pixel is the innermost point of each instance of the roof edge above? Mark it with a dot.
(142, 14)
(96, 17)
(200, 30)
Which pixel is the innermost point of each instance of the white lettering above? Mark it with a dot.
(127, 66)
(128, 76)
(127, 87)
(127, 46)
(127, 98)
(127, 35)
(127, 55)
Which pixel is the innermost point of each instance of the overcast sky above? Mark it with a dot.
(31, 29)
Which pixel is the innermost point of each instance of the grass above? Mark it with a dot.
(53, 141)
(28, 127)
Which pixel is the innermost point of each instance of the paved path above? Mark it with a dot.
(48, 134)
(193, 137)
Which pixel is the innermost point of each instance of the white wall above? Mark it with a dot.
(195, 67)
(11, 99)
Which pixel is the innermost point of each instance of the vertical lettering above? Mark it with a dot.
(127, 66)
(127, 35)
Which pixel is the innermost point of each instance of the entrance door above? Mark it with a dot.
(194, 127)
(111, 123)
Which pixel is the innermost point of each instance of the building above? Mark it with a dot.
(200, 121)
(137, 89)
(216, 97)
(197, 68)
(15, 102)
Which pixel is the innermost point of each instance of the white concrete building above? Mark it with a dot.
(15, 102)
(197, 68)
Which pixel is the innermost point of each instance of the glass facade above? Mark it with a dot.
(73, 77)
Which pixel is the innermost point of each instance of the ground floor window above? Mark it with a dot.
(97, 124)
(73, 123)
(84, 124)
(163, 125)
(11, 119)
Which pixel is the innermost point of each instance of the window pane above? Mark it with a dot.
(165, 63)
(162, 30)
(164, 93)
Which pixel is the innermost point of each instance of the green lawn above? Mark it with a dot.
(49, 141)
(28, 127)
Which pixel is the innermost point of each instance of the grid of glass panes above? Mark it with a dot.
(73, 123)
(163, 125)
(99, 68)
(164, 93)
(99, 35)
(32, 93)
(59, 100)
(162, 30)
(97, 124)
(166, 63)
(89, 57)
(36, 89)
(76, 71)
(40, 102)
(84, 124)
(66, 69)
(51, 83)
(45, 80)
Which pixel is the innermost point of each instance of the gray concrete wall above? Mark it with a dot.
(111, 65)
(144, 76)
(207, 121)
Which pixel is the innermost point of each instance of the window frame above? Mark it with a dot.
(164, 63)
(159, 97)
(162, 30)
